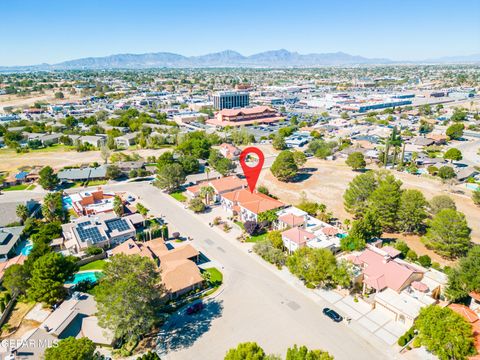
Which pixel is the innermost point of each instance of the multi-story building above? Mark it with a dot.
(231, 99)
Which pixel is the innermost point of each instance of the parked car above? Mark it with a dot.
(195, 308)
(332, 314)
(130, 198)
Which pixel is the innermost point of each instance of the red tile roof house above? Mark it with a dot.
(229, 151)
(296, 238)
(472, 318)
(220, 186)
(397, 285)
(247, 205)
(380, 271)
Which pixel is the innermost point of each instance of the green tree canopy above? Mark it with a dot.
(127, 296)
(303, 353)
(170, 177)
(72, 349)
(455, 131)
(48, 276)
(465, 277)
(318, 267)
(300, 158)
(384, 202)
(453, 154)
(15, 279)
(47, 178)
(362, 231)
(246, 351)
(52, 208)
(284, 167)
(355, 198)
(448, 234)
(356, 161)
(445, 333)
(278, 142)
(412, 211)
(441, 202)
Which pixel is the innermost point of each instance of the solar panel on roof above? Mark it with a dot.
(117, 224)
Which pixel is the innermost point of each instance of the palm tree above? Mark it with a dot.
(207, 171)
(22, 212)
(207, 193)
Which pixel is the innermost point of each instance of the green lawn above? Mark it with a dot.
(17, 187)
(96, 182)
(216, 277)
(54, 148)
(240, 224)
(94, 265)
(31, 187)
(257, 238)
(179, 196)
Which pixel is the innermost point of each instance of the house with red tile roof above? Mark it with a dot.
(229, 151)
(397, 287)
(381, 271)
(220, 186)
(247, 205)
(472, 318)
(296, 238)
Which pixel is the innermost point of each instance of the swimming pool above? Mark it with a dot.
(67, 202)
(26, 249)
(91, 276)
(341, 236)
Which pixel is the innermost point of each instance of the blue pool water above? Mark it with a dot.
(91, 276)
(341, 236)
(67, 202)
(26, 249)
(472, 186)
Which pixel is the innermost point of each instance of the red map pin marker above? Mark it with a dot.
(252, 172)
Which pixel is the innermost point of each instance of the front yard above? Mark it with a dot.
(20, 187)
(178, 195)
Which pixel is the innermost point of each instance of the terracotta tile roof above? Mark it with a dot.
(381, 272)
(254, 202)
(292, 220)
(224, 184)
(246, 111)
(469, 315)
(330, 231)
(179, 253)
(130, 247)
(180, 274)
(474, 295)
(298, 235)
(20, 259)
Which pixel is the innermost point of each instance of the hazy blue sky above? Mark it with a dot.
(36, 31)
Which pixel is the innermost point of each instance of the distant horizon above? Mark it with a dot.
(54, 31)
(247, 55)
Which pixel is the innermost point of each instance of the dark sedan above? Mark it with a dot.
(332, 314)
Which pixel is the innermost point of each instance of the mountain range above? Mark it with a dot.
(269, 59)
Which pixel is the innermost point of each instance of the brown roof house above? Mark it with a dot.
(179, 271)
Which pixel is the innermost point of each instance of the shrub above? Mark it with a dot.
(425, 261)
(412, 255)
(251, 227)
(93, 250)
(402, 341)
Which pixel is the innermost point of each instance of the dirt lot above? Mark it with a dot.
(329, 179)
(28, 101)
(11, 161)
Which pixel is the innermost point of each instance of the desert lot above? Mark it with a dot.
(17, 101)
(327, 183)
(11, 161)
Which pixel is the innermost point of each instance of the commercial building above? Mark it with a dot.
(231, 99)
(245, 116)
